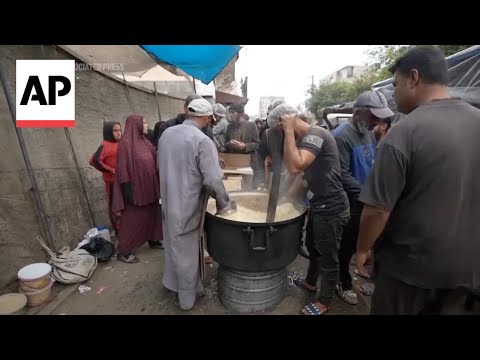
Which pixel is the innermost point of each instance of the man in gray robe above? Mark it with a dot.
(189, 171)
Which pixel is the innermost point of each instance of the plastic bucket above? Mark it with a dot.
(12, 304)
(104, 233)
(37, 298)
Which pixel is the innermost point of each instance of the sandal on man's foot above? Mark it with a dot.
(155, 244)
(297, 280)
(127, 258)
(312, 309)
(366, 289)
(347, 295)
(362, 275)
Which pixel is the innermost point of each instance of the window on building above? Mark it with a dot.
(350, 71)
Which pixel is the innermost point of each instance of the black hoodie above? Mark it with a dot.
(177, 121)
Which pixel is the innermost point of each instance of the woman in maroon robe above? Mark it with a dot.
(137, 191)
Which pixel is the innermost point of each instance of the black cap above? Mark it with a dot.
(238, 107)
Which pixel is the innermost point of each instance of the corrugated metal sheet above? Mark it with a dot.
(228, 99)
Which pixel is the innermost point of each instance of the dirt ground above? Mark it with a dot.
(136, 289)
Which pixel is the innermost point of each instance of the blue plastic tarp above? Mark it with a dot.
(202, 62)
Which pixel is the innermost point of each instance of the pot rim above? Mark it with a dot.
(255, 224)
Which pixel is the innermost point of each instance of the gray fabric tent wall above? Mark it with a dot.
(98, 98)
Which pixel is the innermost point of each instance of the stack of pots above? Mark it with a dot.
(35, 283)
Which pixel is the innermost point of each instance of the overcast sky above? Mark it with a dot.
(286, 70)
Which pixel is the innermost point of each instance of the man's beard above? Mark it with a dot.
(362, 127)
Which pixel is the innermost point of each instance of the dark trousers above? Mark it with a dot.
(394, 297)
(114, 219)
(348, 245)
(324, 234)
(256, 164)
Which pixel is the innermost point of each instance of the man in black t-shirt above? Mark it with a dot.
(423, 195)
(313, 150)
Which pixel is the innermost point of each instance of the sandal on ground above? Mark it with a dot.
(155, 244)
(366, 289)
(297, 280)
(312, 309)
(127, 258)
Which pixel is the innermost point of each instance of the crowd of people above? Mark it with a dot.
(399, 201)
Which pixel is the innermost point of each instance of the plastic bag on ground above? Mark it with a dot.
(99, 247)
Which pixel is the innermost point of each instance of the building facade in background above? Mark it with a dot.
(228, 91)
(348, 74)
(265, 102)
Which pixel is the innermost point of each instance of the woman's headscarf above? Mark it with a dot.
(136, 164)
(108, 130)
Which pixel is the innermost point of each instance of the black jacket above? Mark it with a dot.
(177, 121)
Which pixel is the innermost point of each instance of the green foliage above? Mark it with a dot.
(364, 82)
(386, 55)
(452, 49)
(327, 95)
(380, 59)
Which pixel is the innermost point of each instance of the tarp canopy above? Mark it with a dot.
(203, 62)
(156, 73)
(134, 64)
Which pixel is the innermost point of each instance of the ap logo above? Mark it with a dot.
(45, 93)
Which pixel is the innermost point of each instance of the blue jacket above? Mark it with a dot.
(357, 152)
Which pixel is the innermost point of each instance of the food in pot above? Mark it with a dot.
(284, 212)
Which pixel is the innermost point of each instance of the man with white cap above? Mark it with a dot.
(356, 147)
(220, 129)
(189, 171)
(180, 118)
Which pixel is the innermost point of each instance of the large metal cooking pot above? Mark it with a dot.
(253, 247)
